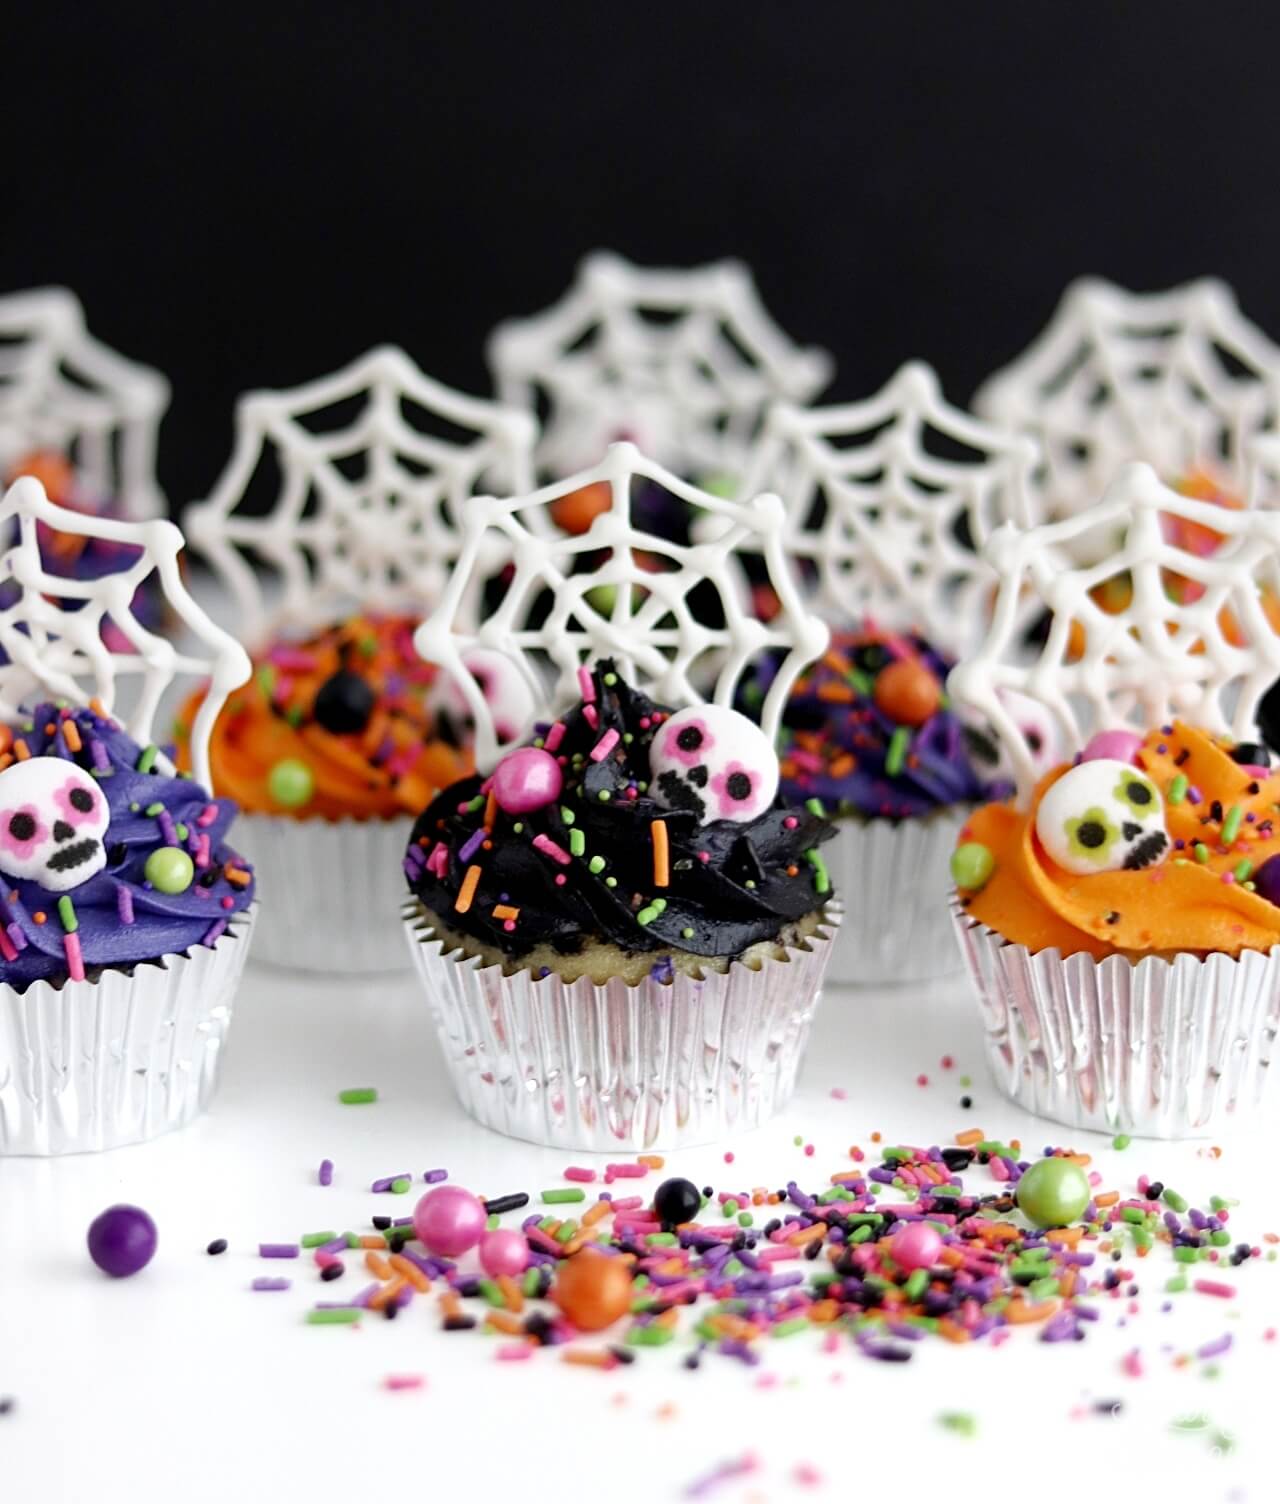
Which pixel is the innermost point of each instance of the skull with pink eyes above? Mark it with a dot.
(508, 696)
(715, 762)
(1039, 731)
(52, 820)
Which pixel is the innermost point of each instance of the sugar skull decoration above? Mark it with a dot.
(888, 502)
(52, 646)
(715, 762)
(682, 363)
(1036, 727)
(72, 408)
(572, 599)
(1207, 656)
(506, 693)
(1178, 379)
(368, 510)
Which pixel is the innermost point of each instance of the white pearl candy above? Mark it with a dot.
(1103, 816)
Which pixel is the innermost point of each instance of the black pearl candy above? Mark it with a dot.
(343, 703)
(677, 1201)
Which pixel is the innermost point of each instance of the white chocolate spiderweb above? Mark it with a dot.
(1207, 658)
(885, 501)
(683, 363)
(63, 390)
(1179, 379)
(366, 475)
(51, 627)
(601, 600)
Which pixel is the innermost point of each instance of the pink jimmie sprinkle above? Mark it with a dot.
(207, 815)
(75, 960)
(1214, 1287)
(398, 1381)
(605, 745)
(1131, 1363)
(586, 684)
(548, 847)
(627, 1172)
(577, 1172)
(515, 1352)
(591, 716)
(554, 737)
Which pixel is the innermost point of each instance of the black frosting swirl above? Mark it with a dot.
(731, 884)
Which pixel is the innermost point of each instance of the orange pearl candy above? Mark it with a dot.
(908, 691)
(593, 1290)
(576, 512)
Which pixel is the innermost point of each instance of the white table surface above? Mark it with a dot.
(182, 1384)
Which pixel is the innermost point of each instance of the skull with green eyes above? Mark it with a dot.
(1103, 816)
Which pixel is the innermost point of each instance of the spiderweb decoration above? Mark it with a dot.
(1179, 379)
(1208, 656)
(63, 390)
(618, 592)
(683, 363)
(51, 626)
(886, 499)
(374, 469)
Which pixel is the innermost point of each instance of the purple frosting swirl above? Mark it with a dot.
(120, 918)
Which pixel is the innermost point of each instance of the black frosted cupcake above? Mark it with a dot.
(622, 933)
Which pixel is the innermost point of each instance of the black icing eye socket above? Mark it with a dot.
(82, 800)
(1138, 793)
(689, 738)
(1091, 834)
(343, 703)
(22, 827)
(1035, 742)
(738, 786)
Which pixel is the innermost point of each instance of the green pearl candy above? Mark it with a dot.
(169, 870)
(291, 783)
(972, 865)
(1053, 1193)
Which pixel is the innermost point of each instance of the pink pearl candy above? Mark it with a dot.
(449, 1220)
(527, 779)
(504, 1251)
(1119, 746)
(916, 1245)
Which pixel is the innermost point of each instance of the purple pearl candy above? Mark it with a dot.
(122, 1240)
(1267, 880)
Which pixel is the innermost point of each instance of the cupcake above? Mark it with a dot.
(621, 932)
(1120, 917)
(125, 916)
(682, 363)
(344, 733)
(883, 528)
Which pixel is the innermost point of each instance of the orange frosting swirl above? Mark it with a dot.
(1199, 899)
(393, 765)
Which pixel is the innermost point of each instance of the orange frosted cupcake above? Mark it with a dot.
(1120, 917)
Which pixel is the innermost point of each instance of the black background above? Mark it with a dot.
(252, 197)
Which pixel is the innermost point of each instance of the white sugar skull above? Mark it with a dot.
(1039, 730)
(503, 686)
(1103, 816)
(53, 817)
(715, 762)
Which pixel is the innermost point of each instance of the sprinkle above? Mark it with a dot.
(71, 735)
(353, 1096)
(505, 911)
(1201, 852)
(67, 913)
(277, 1250)
(147, 759)
(1177, 789)
(214, 932)
(586, 684)
(554, 737)
(98, 754)
(325, 1173)
(1231, 825)
(468, 890)
(648, 914)
(207, 815)
(562, 1194)
(577, 843)
(604, 746)
(20, 750)
(576, 1172)
(334, 1316)
(75, 959)
(661, 853)
(396, 1382)
(264, 1282)
(548, 847)
(896, 756)
(1214, 1287)
(219, 1245)
(821, 880)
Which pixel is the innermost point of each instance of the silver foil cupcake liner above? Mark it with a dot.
(1166, 1049)
(120, 1059)
(617, 1068)
(332, 891)
(892, 879)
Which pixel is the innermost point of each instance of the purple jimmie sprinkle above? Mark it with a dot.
(278, 1250)
(325, 1175)
(388, 1181)
(212, 934)
(99, 755)
(124, 903)
(472, 844)
(265, 1283)
(433, 1177)
(167, 831)
(1216, 1348)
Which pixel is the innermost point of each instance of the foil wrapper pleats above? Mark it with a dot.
(1175, 1048)
(121, 1058)
(618, 1068)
